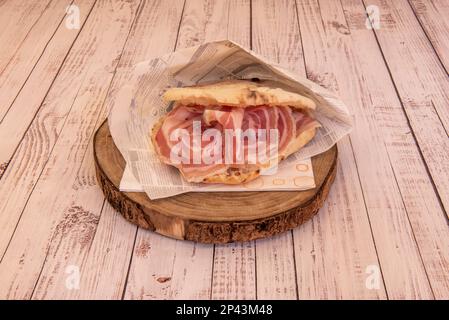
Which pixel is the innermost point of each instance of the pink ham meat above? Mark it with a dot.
(183, 117)
(289, 122)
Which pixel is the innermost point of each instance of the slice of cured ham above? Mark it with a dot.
(181, 134)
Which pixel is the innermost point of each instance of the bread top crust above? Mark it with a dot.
(238, 93)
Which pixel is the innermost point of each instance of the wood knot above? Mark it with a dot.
(3, 167)
(142, 249)
(163, 279)
(79, 222)
(341, 28)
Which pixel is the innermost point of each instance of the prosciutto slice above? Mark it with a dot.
(195, 120)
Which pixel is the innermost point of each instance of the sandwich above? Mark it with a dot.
(231, 132)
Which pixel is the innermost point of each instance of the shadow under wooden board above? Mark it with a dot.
(212, 217)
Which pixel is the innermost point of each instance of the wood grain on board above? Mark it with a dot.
(28, 78)
(58, 140)
(432, 15)
(16, 20)
(25, 57)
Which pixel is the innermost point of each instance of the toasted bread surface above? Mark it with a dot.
(238, 93)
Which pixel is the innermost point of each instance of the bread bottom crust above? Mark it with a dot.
(236, 176)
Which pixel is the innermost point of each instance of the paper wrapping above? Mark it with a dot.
(135, 107)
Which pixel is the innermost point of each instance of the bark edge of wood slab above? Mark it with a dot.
(212, 217)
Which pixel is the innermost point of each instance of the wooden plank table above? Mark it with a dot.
(383, 232)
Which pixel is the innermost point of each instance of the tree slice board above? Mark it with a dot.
(212, 217)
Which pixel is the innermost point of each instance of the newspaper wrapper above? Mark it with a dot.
(136, 106)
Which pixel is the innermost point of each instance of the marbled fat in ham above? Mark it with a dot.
(289, 123)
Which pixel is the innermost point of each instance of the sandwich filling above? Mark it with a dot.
(203, 141)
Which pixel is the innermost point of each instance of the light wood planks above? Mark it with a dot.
(151, 18)
(103, 273)
(379, 191)
(277, 35)
(32, 155)
(422, 84)
(16, 20)
(60, 134)
(234, 273)
(331, 253)
(432, 15)
(363, 66)
(20, 65)
(384, 117)
(31, 72)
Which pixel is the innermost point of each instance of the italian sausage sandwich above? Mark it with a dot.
(207, 122)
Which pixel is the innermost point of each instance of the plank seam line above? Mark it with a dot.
(26, 36)
(125, 285)
(294, 264)
(305, 72)
(411, 226)
(179, 26)
(404, 110)
(368, 217)
(427, 35)
(32, 69)
(438, 116)
(250, 24)
(321, 17)
(212, 273)
(254, 242)
(255, 270)
(227, 20)
(139, 12)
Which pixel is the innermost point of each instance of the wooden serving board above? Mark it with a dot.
(212, 217)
